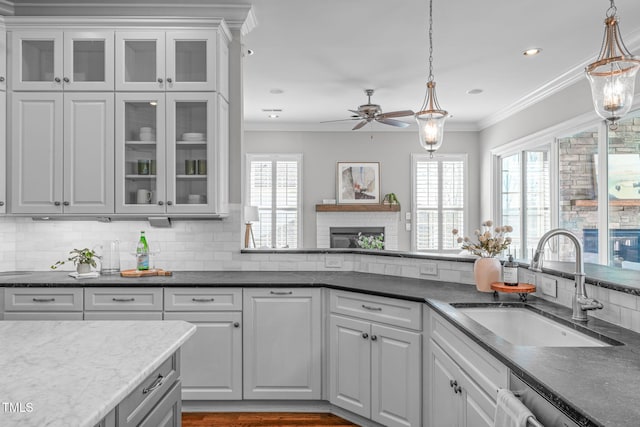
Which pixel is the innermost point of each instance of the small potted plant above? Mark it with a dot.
(83, 259)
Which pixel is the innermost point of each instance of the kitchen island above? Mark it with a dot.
(67, 373)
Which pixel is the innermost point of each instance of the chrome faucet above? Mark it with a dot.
(581, 303)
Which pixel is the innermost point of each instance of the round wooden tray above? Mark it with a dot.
(522, 289)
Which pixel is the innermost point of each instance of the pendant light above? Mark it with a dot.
(612, 75)
(431, 116)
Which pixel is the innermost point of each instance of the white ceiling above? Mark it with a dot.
(323, 54)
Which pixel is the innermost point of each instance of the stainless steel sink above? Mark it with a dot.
(520, 325)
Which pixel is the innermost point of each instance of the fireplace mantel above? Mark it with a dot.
(358, 208)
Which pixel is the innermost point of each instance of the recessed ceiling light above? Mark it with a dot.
(532, 52)
(474, 91)
(273, 116)
(276, 91)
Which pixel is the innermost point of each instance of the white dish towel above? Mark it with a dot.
(510, 411)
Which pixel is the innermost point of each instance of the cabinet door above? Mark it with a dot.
(478, 409)
(191, 60)
(211, 360)
(36, 153)
(350, 365)
(445, 405)
(191, 169)
(222, 157)
(3, 60)
(222, 85)
(36, 60)
(140, 153)
(140, 61)
(3, 151)
(88, 152)
(281, 343)
(396, 374)
(88, 60)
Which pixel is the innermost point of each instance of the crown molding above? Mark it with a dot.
(7, 8)
(38, 22)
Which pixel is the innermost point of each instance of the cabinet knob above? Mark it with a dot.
(1, 203)
(160, 203)
(56, 203)
(66, 203)
(160, 80)
(374, 337)
(453, 383)
(365, 335)
(66, 80)
(57, 80)
(457, 389)
(236, 324)
(169, 203)
(169, 80)
(1, 79)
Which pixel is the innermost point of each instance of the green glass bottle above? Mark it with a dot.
(142, 253)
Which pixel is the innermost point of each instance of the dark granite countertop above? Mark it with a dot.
(601, 385)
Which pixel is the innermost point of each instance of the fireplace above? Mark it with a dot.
(346, 237)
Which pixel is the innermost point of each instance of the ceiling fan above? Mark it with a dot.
(368, 112)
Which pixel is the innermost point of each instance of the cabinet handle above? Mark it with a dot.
(368, 307)
(160, 203)
(123, 299)
(66, 80)
(56, 203)
(202, 299)
(457, 389)
(1, 79)
(365, 335)
(169, 203)
(1, 203)
(374, 337)
(160, 80)
(453, 383)
(169, 80)
(157, 383)
(66, 203)
(44, 299)
(236, 324)
(281, 292)
(57, 80)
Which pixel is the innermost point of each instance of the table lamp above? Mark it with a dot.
(251, 214)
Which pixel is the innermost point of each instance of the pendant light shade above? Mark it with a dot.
(613, 74)
(431, 116)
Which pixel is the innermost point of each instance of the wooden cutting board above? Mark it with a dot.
(144, 273)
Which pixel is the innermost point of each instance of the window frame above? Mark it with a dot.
(418, 157)
(274, 158)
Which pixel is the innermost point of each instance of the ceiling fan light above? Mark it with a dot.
(612, 75)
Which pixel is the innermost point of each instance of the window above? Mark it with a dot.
(525, 197)
(274, 186)
(439, 199)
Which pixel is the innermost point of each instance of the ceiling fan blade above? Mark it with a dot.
(392, 122)
(355, 112)
(341, 120)
(390, 114)
(359, 125)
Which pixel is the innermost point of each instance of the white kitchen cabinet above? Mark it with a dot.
(374, 371)
(281, 343)
(123, 304)
(464, 378)
(211, 360)
(50, 60)
(3, 58)
(43, 303)
(182, 60)
(61, 153)
(3, 152)
(167, 154)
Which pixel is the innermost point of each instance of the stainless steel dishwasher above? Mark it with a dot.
(545, 412)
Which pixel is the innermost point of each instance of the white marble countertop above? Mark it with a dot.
(71, 373)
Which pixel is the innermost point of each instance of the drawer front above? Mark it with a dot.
(406, 314)
(488, 372)
(140, 401)
(43, 299)
(117, 299)
(167, 412)
(202, 299)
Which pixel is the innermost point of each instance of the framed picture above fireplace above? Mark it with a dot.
(358, 182)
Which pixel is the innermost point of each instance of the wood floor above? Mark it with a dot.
(255, 419)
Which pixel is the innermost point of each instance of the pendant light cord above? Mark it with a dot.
(612, 9)
(431, 40)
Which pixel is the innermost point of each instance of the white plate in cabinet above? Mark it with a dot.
(117, 299)
(202, 299)
(43, 299)
(406, 314)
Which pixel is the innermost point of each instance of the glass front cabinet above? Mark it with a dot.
(166, 153)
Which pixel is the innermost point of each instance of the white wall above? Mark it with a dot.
(321, 151)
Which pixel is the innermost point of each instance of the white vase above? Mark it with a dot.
(83, 268)
(486, 271)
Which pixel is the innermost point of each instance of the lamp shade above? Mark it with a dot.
(251, 214)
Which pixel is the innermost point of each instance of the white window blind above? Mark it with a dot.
(274, 187)
(439, 200)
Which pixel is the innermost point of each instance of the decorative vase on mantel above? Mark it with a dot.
(83, 268)
(485, 272)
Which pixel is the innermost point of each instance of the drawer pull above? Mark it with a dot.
(44, 299)
(124, 299)
(368, 307)
(157, 383)
(281, 292)
(202, 299)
